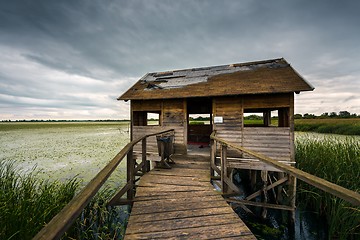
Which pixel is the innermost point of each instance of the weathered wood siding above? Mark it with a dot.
(273, 142)
(172, 116)
(231, 111)
(267, 101)
(151, 144)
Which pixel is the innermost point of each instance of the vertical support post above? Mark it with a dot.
(212, 157)
(223, 149)
(253, 178)
(130, 165)
(292, 195)
(267, 118)
(265, 197)
(146, 164)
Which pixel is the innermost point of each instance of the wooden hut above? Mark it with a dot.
(226, 94)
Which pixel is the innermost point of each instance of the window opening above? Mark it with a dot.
(153, 119)
(199, 129)
(266, 117)
(145, 118)
(199, 119)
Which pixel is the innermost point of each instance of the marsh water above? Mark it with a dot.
(64, 151)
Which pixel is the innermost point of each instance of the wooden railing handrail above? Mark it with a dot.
(66, 217)
(334, 189)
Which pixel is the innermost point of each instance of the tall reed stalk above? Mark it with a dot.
(337, 161)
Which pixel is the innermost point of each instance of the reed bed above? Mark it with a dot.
(27, 203)
(337, 161)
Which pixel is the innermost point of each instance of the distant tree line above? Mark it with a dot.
(341, 114)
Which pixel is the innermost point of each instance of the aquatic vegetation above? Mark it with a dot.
(98, 221)
(27, 203)
(338, 161)
(64, 150)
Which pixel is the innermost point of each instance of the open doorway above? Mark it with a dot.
(199, 125)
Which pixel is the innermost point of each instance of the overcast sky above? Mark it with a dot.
(71, 59)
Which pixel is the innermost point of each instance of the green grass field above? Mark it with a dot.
(345, 126)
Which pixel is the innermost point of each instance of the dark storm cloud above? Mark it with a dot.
(81, 51)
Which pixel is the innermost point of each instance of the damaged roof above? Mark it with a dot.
(262, 77)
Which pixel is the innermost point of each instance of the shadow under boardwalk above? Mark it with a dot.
(181, 203)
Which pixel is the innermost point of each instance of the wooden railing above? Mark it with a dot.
(66, 217)
(336, 190)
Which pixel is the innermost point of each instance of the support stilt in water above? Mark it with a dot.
(292, 196)
(279, 196)
(264, 192)
(253, 175)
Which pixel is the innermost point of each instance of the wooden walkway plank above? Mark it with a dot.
(229, 231)
(179, 207)
(143, 194)
(180, 203)
(175, 200)
(181, 214)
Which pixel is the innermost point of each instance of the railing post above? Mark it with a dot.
(292, 195)
(130, 174)
(212, 157)
(146, 164)
(223, 149)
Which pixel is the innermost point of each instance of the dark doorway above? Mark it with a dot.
(199, 122)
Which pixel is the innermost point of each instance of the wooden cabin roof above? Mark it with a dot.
(262, 77)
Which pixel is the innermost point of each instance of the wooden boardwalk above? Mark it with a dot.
(180, 203)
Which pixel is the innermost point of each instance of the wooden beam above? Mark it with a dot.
(258, 193)
(216, 168)
(138, 167)
(260, 204)
(114, 200)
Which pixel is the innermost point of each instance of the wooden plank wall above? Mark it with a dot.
(232, 112)
(173, 116)
(274, 142)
